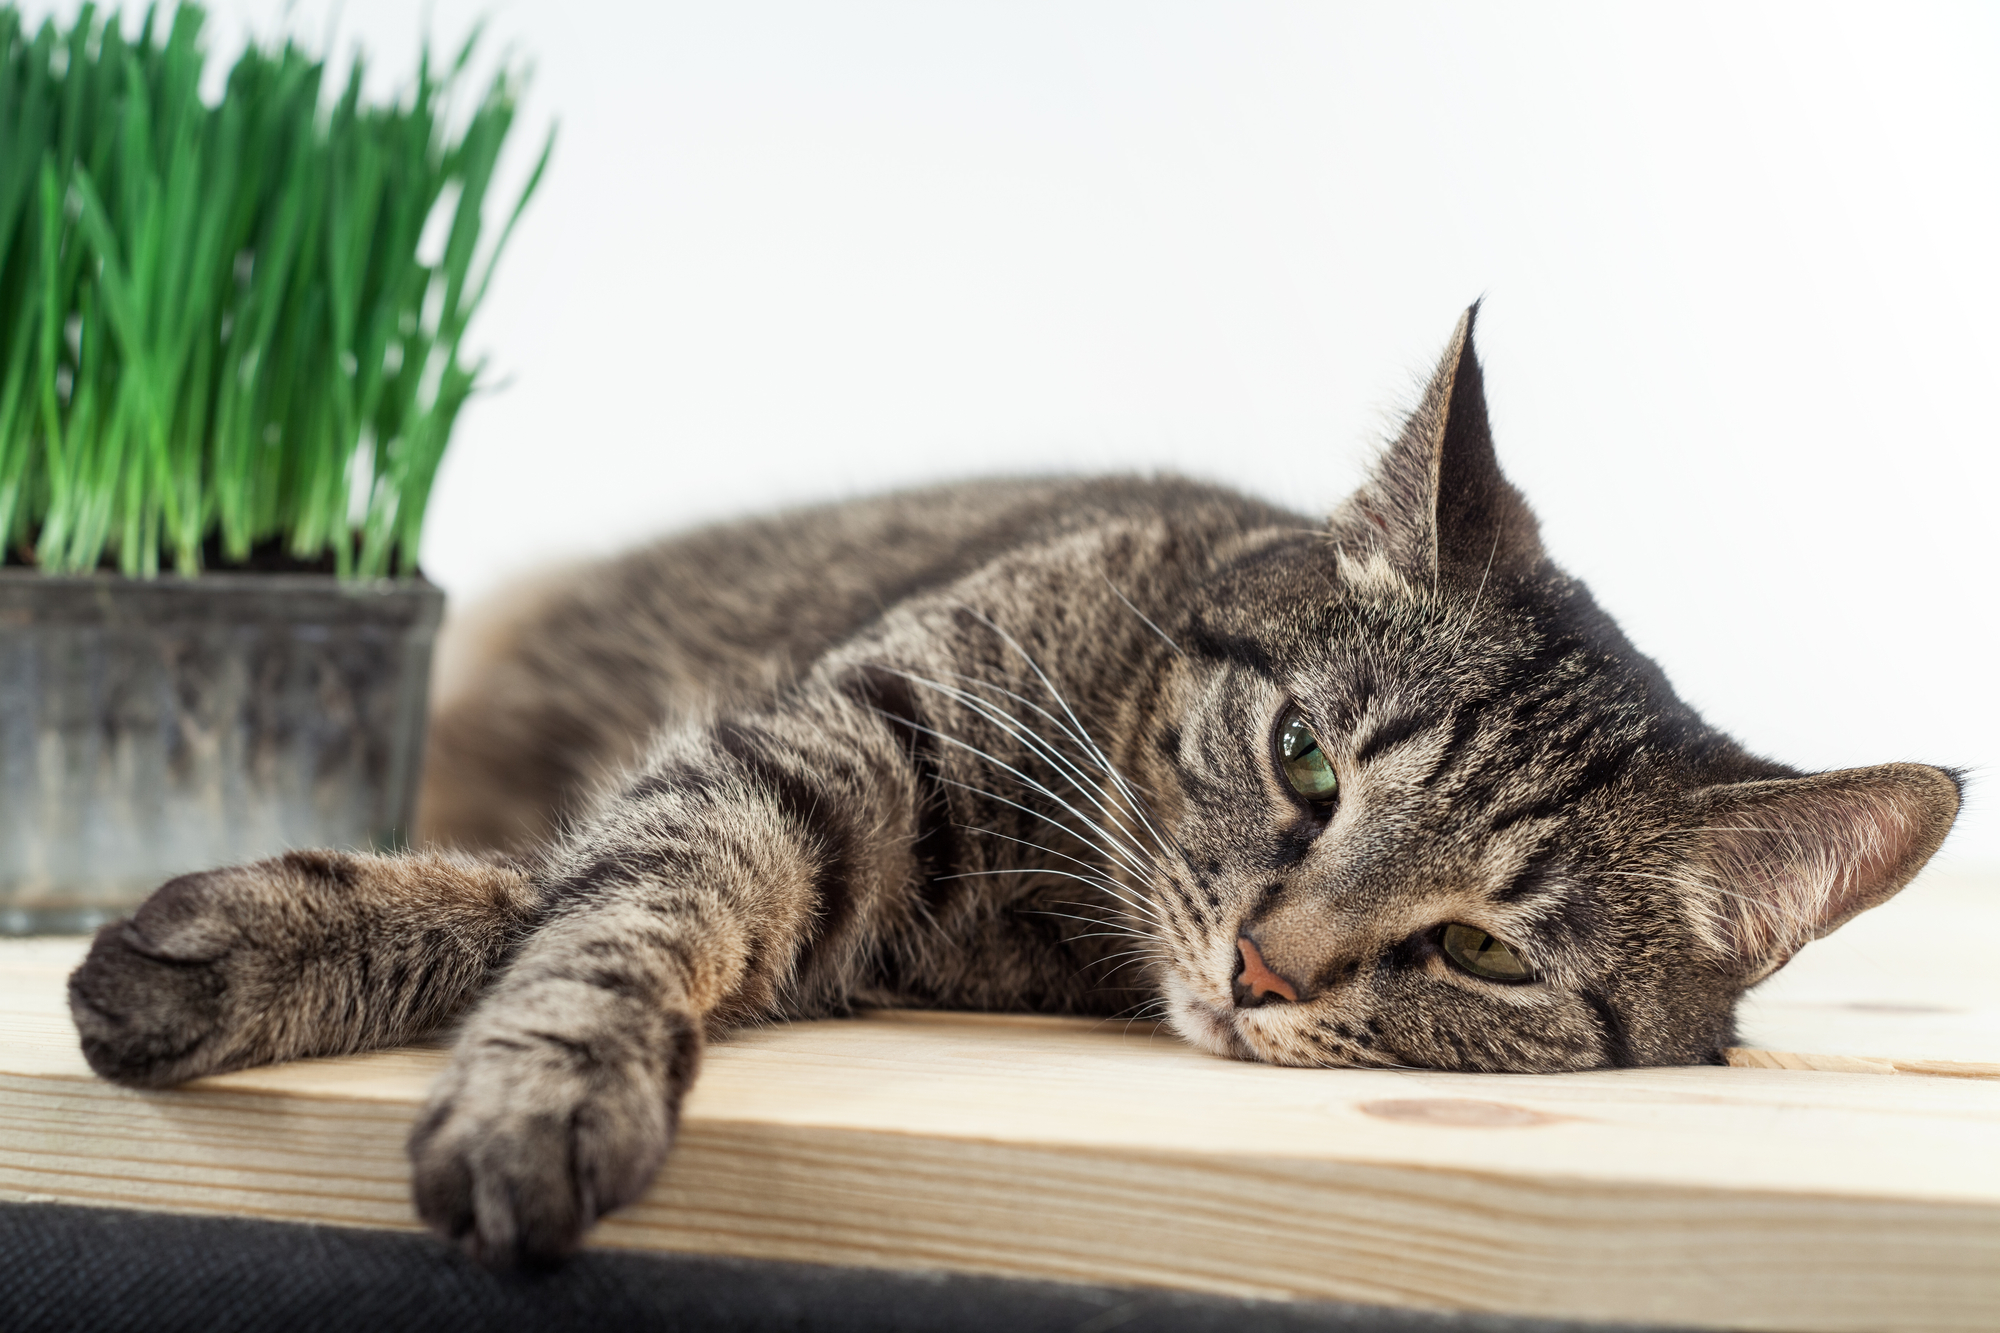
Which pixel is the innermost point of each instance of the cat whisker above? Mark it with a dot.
(1131, 857)
(1082, 731)
(1020, 731)
(1131, 956)
(1134, 802)
(1096, 879)
(1101, 935)
(1103, 884)
(1008, 837)
(1103, 907)
(1136, 875)
(1094, 882)
(1045, 749)
(1088, 921)
(1148, 951)
(974, 701)
(1012, 726)
(1095, 875)
(1082, 741)
(1143, 617)
(1147, 906)
(1152, 1010)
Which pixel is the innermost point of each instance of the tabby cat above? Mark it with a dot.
(1386, 791)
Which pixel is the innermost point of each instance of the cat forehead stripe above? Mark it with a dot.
(1389, 733)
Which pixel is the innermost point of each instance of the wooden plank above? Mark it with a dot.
(1776, 1197)
(1742, 1057)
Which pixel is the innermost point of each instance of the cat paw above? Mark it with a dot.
(533, 1134)
(221, 970)
(152, 999)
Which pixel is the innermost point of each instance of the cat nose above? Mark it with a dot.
(1256, 983)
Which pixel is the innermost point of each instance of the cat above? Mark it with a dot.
(1385, 791)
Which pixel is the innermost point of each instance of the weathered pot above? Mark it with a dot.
(149, 728)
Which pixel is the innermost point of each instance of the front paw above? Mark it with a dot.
(224, 969)
(539, 1129)
(151, 1001)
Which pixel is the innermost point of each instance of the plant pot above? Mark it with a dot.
(150, 728)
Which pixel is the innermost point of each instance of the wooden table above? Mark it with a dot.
(1845, 1176)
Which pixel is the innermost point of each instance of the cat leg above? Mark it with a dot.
(739, 876)
(309, 953)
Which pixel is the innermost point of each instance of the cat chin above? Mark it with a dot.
(1199, 1022)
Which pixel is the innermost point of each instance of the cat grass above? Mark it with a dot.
(232, 330)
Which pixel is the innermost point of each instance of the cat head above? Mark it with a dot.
(1435, 810)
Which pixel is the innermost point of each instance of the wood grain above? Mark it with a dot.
(1772, 1195)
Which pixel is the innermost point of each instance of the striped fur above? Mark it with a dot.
(1010, 747)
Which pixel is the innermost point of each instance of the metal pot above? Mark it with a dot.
(153, 727)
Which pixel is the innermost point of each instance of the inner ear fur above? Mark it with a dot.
(1437, 504)
(1782, 862)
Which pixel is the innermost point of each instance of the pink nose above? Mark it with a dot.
(1257, 984)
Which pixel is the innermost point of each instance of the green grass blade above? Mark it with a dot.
(217, 322)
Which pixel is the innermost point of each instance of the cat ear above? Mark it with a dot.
(1785, 861)
(1437, 505)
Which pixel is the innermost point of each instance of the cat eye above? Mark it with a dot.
(1483, 956)
(1305, 765)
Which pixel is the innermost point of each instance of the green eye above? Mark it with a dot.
(1482, 955)
(1306, 767)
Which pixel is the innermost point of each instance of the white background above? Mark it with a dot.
(1739, 260)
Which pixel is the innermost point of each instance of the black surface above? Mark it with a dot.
(65, 1267)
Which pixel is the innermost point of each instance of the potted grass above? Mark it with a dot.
(230, 363)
